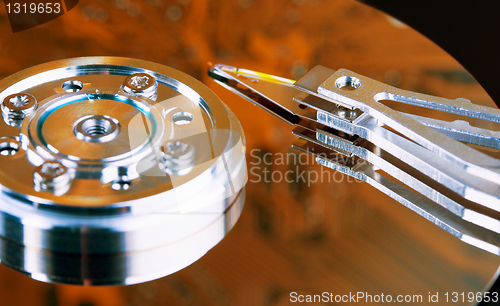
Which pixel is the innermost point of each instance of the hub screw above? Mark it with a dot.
(16, 107)
(52, 177)
(177, 157)
(123, 182)
(140, 84)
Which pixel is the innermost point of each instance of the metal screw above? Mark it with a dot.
(176, 148)
(120, 185)
(139, 81)
(52, 177)
(141, 84)
(16, 107)
(346, 113)
(123, 181)
(177, 157)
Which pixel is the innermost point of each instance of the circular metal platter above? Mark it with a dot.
(114, 171)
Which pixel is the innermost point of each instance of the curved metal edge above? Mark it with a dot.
(120, 268)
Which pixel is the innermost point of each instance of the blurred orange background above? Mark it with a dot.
(337, 237)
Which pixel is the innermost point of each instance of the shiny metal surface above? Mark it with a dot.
(451, 219)
(418, 161)
(368, 96)
(89, 195)
(17, 106)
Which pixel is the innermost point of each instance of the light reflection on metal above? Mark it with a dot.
(88, 195)
(423, 163)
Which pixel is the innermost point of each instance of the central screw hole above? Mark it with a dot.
(96, 127)
(19, 101)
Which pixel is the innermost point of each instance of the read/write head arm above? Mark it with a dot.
(426, 164)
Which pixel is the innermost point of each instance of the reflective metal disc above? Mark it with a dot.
(114, 171)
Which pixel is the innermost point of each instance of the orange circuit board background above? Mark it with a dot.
(330, 236)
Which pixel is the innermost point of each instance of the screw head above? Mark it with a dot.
(16, 107)
(120, 185)
(141, 84)
(177, 157)
(346, 113)
(50, 170)
(176, 148)
(123, 182)
(51, 176)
